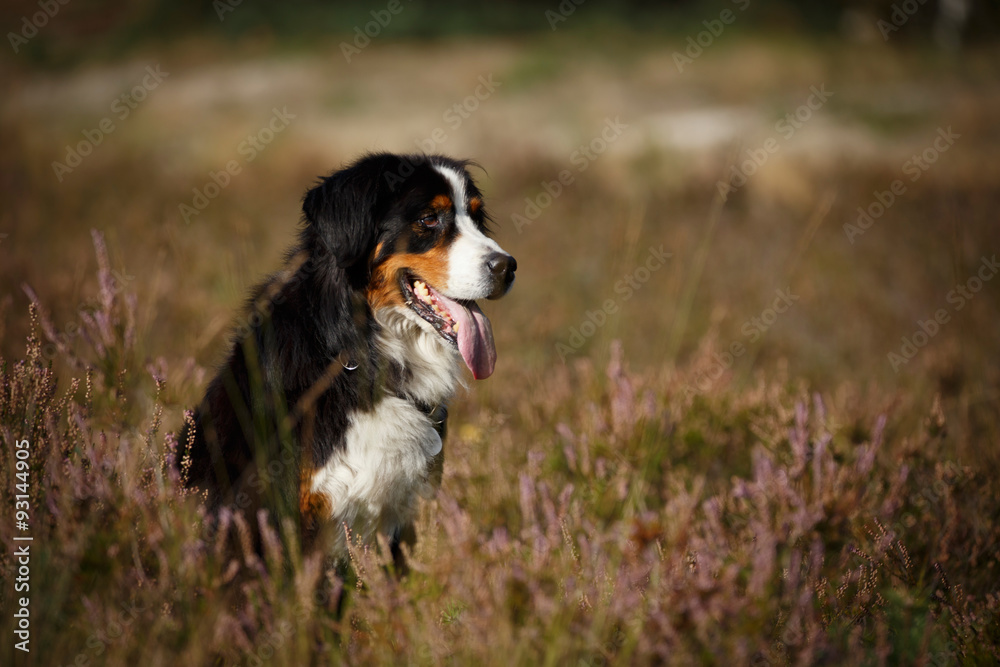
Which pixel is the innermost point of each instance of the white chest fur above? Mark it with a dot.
(374, 484)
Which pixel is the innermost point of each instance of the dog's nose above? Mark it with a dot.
(501, 267)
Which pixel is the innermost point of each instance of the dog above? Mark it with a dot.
(332, 403)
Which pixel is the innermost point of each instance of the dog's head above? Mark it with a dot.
(410, 231)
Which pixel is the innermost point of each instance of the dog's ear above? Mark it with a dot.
(343, 212)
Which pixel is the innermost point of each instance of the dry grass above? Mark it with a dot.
(628, 504)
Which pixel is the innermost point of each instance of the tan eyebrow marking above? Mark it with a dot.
(475, 204)
(441, 203)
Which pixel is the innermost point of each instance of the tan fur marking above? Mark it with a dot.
(314, 508)
(441, 203)
(430, 266)
(475, 204)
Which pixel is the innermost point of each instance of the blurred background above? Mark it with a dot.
(786, 212)
(755, 144)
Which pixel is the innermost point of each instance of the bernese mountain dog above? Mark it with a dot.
(331, 405)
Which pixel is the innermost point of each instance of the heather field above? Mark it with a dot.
(746, 409)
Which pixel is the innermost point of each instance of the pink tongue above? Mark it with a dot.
(475, 337)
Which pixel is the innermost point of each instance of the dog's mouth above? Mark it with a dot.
(461, 323)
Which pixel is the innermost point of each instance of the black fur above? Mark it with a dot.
(281, 401)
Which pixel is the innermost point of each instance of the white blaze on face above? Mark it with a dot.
(468, 276)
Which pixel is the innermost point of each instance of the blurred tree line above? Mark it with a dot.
(77, 29)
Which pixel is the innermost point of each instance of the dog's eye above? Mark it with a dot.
(428, 221)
